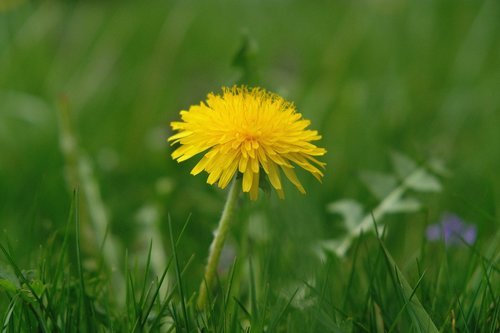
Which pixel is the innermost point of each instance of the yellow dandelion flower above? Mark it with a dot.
(247, 130)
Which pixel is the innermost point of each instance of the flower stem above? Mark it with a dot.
(218, 243)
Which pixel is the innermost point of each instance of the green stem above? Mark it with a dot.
(218, 243)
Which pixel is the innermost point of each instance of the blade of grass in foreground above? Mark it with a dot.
(419, 316)
(86, 304)
(156, 296)
(38, 313)
(178, 274)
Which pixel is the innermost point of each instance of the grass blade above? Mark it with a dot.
(178, 274)
(421, 319)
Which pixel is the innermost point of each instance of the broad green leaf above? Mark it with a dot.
(439, 168)
(404, 205)
(380, 184)
(423, 181)
(402, 164)
(350, 210)
(328, 246)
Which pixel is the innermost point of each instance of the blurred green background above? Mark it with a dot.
(418, 77)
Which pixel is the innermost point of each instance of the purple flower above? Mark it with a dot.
(452, 230)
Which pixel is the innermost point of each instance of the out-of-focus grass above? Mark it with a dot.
(373, 76)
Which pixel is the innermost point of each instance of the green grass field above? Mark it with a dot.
(102, 231)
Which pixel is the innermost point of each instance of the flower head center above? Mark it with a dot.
(248, 140)
(250, 135)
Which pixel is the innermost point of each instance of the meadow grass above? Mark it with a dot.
(102, 231)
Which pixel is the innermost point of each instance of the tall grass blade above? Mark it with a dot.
(420, 318)
(178, 274)
(85, 303)
(278, 318)
(253, 292)
(26, 283)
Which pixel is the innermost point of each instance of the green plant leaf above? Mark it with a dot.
(404, 205)
(380, 184)
(328, 246)
(350, 210)
(437, 166)
(423, 181)
(403, 165)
